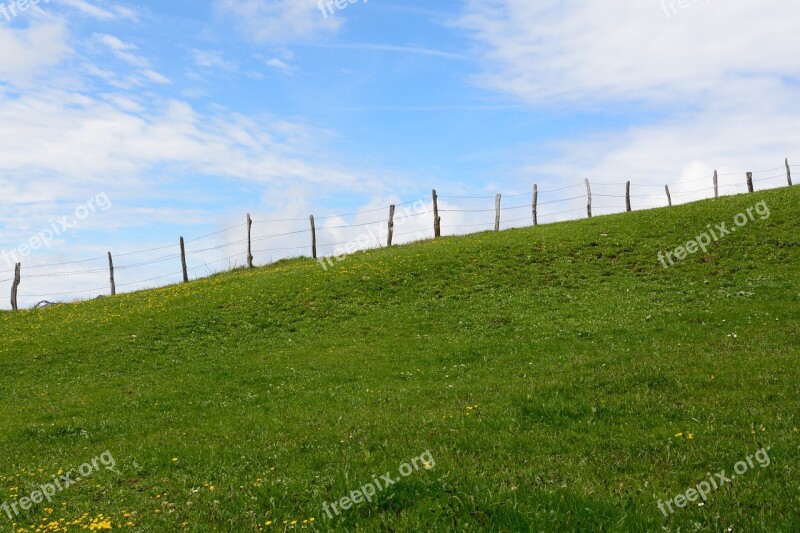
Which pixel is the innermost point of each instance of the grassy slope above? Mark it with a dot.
(287, 386)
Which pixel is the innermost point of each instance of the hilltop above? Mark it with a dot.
(560, 377)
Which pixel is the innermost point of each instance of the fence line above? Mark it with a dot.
(431, 204)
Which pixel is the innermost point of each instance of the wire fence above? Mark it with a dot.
(271, 239)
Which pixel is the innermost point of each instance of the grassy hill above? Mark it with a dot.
(560, 378)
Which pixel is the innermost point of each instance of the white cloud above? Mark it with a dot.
(92, 10)
(122, 50)
(278, 64)
(414, 50)
(64, 141)
(277, 21)
(630, 51)
(114, 43)
(714, 85)
(155, 77)
(31, 51)
(125, 52)
(212, 60)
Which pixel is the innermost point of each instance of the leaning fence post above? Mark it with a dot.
(249, 241)
(589, 197)
(111, 270)
(628, 197)
(391, 227)
(535, 206)
(497, 212)
(313, 238)
(749, 182)
(716, 185)
(669, 196)
(437, 220)
(183, 262)
(788, 172)
(15, 286)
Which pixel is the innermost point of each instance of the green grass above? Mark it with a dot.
(286, 387)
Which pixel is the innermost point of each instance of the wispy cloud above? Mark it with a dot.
(125, 52)
(277, 21)
(115, 11)
(279, 64)
(376, 47)
(208, 59)
(431, 108)
(122, 50)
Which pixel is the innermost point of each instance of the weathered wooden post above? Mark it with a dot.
(589, 197)
(716, 185)
(249, 241)
(749, 182)
(391, 227)
(497, 212)
(313, 238)
(111, 270)
(628, 197)
(788, 172)
(437, 220)
(669, 196)
(183, 262)
(15, 286)
(535, 205)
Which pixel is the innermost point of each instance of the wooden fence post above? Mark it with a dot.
(669, 196)
(183, 262)
(788, 172)
(497, 212)
(15, 286)
(589, 199)
(437, 220)
(249, 241)
(111, 270)
(313, 238)
(535, 205)
(749, 182)
(628, 197)
(391, 227)
(716, 185)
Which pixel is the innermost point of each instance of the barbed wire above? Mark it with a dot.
(505, 223)
(427, 230)
(217, 232)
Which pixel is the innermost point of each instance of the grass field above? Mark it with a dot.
(559, 377)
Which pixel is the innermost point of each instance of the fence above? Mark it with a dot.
(436, 206)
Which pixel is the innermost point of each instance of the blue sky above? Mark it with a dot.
(187, 115)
